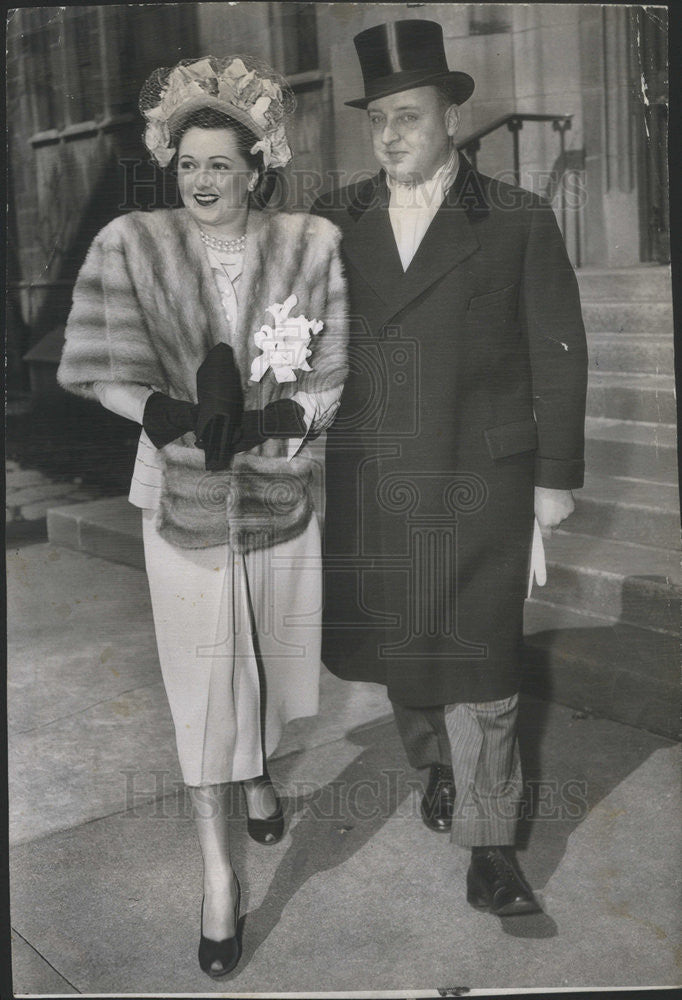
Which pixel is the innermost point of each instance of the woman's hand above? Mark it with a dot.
(282, 418)
(166, 419)
(221, 404)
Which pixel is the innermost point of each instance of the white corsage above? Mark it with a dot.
(284, 346)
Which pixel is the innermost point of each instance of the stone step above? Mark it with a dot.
(632, 583)
(627, 510)
(602, 666)
(648, 398)
(631, 449)
(648, 282)
(593, 663)
(635, 584)
(649, 318)
(109, 528)
(634, 353)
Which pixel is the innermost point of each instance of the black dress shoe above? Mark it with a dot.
(267, 831)
(271, 829)
(438, 803)
(495, 883)
(217, 958)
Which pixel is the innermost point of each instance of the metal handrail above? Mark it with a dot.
(514, 122)
(471, 144)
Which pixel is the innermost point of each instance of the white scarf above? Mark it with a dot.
(413, 206)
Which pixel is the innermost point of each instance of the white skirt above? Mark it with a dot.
(239, 641)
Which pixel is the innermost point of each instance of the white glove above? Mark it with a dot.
(538, 567)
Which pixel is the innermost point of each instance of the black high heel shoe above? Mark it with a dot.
(271, 829)
(226, 952)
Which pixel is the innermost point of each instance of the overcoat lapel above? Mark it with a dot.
(369, 243)
(450, 239)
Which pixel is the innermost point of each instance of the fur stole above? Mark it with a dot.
(146, 309)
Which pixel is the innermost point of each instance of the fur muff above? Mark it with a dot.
(146, 309)
(260, 502)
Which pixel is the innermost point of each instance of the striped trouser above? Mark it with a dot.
(479, 741)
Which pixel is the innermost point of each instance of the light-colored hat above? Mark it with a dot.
(241, 86)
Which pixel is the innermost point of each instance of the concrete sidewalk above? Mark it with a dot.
(105, 868)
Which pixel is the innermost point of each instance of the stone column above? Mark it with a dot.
(621, 217)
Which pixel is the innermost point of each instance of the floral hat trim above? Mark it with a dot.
(242, 86)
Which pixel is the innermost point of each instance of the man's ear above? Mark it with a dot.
(452, 119)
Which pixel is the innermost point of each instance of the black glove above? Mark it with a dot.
(282, 418)
(221, 404)
(166, 419)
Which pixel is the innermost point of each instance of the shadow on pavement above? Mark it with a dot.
(324, 837)
(571, 761)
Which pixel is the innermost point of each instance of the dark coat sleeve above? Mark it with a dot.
(558, 353)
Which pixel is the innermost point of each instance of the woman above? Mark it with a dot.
(222, 325)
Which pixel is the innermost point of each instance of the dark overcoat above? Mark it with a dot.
(466, 389)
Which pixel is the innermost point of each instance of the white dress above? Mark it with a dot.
(238, 635)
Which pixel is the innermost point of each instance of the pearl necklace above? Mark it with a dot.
(226, 246)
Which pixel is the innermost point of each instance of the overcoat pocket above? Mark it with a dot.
(511, 439)
(500, 299)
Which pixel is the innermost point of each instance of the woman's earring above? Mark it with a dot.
(252, 183)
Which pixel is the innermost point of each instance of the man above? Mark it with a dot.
(462, 417)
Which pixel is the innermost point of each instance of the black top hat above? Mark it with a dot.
(406, 54)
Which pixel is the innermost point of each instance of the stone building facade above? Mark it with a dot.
(76, 157)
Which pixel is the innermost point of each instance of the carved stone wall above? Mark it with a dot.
(579, 59)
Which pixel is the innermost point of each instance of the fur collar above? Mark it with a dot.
(147, 309)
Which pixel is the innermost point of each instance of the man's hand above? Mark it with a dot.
(552, 507)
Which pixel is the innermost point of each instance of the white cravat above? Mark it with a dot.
(413, 206)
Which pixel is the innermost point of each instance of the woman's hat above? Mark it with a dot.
(241, 86)
(406, 54)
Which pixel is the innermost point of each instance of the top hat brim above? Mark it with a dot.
(460, 84)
